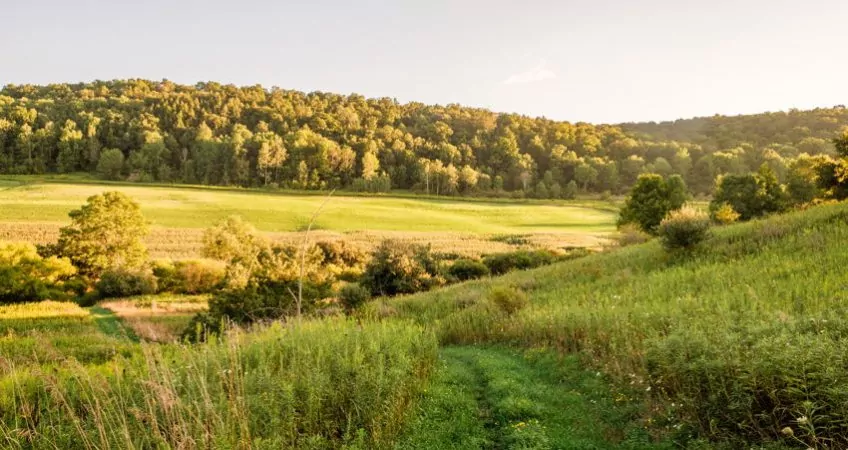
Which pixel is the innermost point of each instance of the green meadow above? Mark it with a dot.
(181, 207)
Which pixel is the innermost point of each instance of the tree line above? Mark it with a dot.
(214, 134)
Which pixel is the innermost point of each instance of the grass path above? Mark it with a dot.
(495, 398)
(110, 324)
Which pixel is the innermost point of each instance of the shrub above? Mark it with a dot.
(507, 299)
(198, 276)
(125, 283)
(631, 234)
(501, 263)
(352, 296)
(26, 276)
(751, 195)
(725, 214)
(684, 228)
(401, 268)
(468, 269)
(265, 300)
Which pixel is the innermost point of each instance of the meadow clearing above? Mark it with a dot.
(33, 211)
(736, 344)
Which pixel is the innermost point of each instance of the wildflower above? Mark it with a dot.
(803, 420)
(787, 431)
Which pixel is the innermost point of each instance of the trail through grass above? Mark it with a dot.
(498, 398)
(110, 324)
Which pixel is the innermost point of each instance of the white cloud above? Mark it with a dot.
(538, 73)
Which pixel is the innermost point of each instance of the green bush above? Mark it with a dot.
(125, 283)
(501, 263)
(26, 276)
(651, 199)
(684, 228)
(508, 299)
(352, 296)
(401, 268)
(198, 276)
(468, 269)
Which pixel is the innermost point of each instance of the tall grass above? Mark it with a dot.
(746, 337)
(321, 384)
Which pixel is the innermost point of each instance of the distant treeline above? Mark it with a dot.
(217, 134)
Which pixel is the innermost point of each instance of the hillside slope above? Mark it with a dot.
(741, 341)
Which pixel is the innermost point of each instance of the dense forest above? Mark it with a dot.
(139, 130)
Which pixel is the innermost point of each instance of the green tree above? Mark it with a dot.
(105, 233)
(651, 199)
(750, 195)
(111, 164)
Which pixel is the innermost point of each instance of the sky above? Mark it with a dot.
(599, 61)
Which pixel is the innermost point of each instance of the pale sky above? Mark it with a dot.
(601, 61)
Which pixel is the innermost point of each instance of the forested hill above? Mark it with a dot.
(252, 136)
(789, 132)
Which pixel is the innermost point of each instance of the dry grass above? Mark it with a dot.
(159, 318)
(186, 243)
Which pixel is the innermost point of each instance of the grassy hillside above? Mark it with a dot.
(35, 211)
(743, 340)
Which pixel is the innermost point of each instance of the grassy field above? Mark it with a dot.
(739, 344)
(35, 211)
(743, 339)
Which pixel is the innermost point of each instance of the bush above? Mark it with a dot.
(26, 276)
(725, 214)
(684, 228)
(507, 299)
(751, 195)
(352, 296)
(198, 276)
(631, 234)
(501, 263)
(468, 269)
(125, 283)
(401, 268)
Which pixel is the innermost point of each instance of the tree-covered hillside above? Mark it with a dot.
(252, 136)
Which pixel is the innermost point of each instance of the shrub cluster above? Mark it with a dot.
(467, 269)
(125, 283)
(25, 275)
(684, 228)
(501, 263)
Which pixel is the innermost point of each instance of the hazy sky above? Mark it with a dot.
(588, 60)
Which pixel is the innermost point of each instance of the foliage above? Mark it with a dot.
(352, 296)
(225, 135)
(189, 276)
(233, 240)
(684, 228)
(321, 384)
(631, 234)
(651, 199)
(26, 276)
(121, 282)
(111, 164)
(501, 263)
(508, 299)
(400, 268)
(733, 344)
(725, 214)
(105, 234)
(751, 195)
(468, 269)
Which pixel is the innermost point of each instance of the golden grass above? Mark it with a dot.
(158, 318)
(186, 243)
